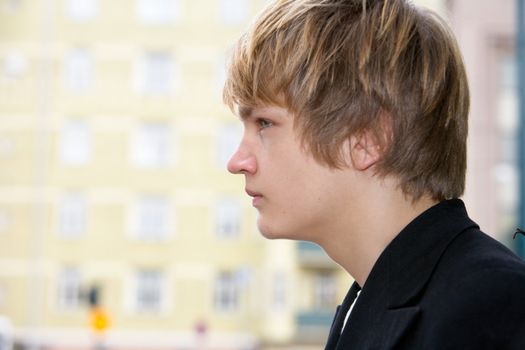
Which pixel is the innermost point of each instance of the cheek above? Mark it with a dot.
(300, 183)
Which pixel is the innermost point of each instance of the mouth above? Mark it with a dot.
(253, 193)
(257, 197)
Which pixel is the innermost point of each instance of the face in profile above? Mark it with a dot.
(295, 196)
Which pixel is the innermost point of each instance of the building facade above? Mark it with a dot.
(114, 140)
(486, 32)
(113, 145)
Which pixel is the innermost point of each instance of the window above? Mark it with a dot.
(151, 145)
(158, 11)
(324, 291)
(228, 141)
(7, 146)
(15, 64)
(506, 116)
(69, 292)
(152, 216)
(78, 70)
(81, 10)
(220, 71)
(72, 216)
(226, 293)
(155, 73)
(279, 291)
(4, 221)
(149, 290)
(75, 143)
(3, 295)
(228, 218)
(13, 6)
(234, 11)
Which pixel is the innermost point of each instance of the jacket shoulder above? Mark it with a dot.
(477, 296)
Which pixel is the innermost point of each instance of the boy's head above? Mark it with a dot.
(345, 67)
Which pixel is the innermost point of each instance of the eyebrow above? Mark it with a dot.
(245, 112)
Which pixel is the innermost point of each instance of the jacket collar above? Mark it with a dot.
(408, 261)
(398, 276)
(340, 314)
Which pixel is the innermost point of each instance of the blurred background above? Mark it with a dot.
(119, 225)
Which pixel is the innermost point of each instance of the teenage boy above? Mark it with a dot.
(355, 128)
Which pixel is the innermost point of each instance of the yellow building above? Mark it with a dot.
(113, 143)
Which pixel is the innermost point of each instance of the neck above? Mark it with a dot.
(359, 239)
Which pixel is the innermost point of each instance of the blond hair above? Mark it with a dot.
(341, 66)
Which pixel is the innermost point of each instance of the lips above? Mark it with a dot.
(253, 193)
(257, 197)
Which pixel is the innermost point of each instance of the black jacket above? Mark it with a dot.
(440, 284)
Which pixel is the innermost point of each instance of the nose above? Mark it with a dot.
(242, 161)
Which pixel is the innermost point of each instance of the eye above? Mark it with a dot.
(263, 123)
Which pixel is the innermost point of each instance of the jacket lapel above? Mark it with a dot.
(340, 314)
(388, 304)
(395, 324)
(383, 331)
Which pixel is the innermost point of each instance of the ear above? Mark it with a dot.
(365, 150)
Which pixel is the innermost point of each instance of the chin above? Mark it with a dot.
(267, 233)
(273, 232)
